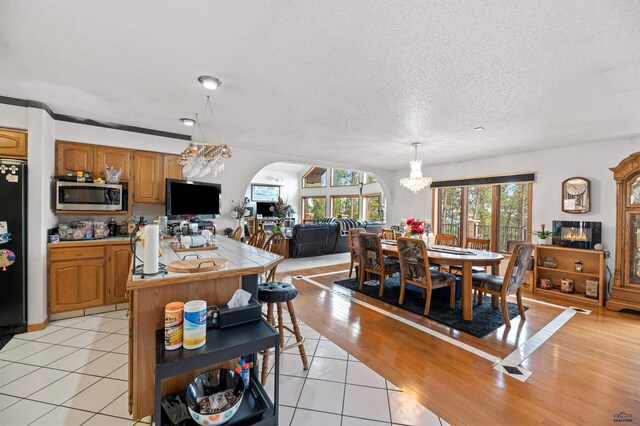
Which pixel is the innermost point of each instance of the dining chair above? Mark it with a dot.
(474, 244)
(373, 261)
(237, 234)
(258, 238)
(414, 269)
(275, 244)
(354, 247)
(388, 234)
(511, 283)
(446, 240)
(395, 228)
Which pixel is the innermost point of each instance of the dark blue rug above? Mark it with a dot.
(485, 318)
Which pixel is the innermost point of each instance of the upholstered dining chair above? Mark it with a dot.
(354, 247)
(237, 234)
(446, 240)
(258, 238)
(275, 244)
(372, 260)
(509, 284)
(388, 234)
(414, 269)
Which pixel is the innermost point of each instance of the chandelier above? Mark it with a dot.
(415, 182)
(202, 158)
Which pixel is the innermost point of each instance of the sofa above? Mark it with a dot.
(316, 239)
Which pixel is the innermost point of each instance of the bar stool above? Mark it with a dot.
(276, 293)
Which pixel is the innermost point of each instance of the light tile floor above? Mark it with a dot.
(74, 372)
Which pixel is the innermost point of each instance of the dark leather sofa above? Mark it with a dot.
(316, 239)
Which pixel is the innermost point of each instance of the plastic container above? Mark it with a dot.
(173, 320)
(245, 375)
(195, 324)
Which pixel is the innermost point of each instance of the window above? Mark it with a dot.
(479, 203)
(450, 211)
(370, 178)
(513, 219)
(316, 177)
(372, 205)
(345, 177)
(490, 208)
(313, 209)
(345, 207)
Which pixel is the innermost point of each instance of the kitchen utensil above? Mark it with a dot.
(210, 383)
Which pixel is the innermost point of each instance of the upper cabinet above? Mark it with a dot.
(146, 177)
(13, 144)
(73, 157)
(115, 157)
(170, 170)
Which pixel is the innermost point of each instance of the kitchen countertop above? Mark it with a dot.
(96, 242)
(242, 259)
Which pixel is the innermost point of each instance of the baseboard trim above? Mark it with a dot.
(39, 326)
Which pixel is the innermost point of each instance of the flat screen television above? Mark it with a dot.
(264, 209)
(185, 197)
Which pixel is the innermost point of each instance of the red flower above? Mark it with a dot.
(410, 221)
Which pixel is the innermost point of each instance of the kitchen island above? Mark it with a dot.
(149, 295)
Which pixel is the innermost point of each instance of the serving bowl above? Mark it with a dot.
(209, 383)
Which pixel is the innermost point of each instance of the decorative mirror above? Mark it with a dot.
(575, 195)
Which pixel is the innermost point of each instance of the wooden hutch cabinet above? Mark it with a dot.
(626, 279)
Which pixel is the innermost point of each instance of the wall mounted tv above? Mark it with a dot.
(185, 197)
(264, 209)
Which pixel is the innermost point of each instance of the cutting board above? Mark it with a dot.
(205, 264)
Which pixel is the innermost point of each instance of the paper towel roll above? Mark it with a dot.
(150, 252)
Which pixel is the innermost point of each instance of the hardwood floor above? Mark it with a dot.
(585, 373)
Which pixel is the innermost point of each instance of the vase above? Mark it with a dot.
(544, 241)
(241, 224)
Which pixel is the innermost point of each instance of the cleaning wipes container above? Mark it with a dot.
(195, 324)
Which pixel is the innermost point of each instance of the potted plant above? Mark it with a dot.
(414, 228)
(543, 235)
(239, 211)
(282, 210)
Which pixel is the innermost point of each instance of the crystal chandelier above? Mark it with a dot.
(202, 158)
(415, 182)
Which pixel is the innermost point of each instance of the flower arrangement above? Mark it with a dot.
(282, 209)
(414, 228)
(239, 209)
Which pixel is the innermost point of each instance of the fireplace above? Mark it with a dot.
(575, 234)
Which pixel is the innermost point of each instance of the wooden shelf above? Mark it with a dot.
(568, 296)
(593, 261)
(565, 271)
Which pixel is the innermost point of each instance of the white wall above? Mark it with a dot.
(552, 166)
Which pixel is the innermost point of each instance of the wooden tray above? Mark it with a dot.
(205, 264)
(177, 249)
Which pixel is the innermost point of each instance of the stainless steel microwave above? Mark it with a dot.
(88, 196)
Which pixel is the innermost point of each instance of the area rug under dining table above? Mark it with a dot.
(486, 319)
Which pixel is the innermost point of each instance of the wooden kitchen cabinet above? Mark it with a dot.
(13, 144)
(72, 157)
(116, 157)
(76, 284)
(147, 173)
(170, 170)
(120, 257)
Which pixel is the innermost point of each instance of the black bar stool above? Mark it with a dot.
(276, 293)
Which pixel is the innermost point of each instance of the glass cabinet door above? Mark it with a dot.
(634, 192)
(634, 255)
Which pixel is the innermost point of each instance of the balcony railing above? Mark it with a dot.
(505, 233)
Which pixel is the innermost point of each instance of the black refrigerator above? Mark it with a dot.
(13, 246)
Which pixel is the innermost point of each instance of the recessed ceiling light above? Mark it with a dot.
(188, 121)
(209, 82)
(479, 129)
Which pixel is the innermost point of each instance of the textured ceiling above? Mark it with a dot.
(348, 81)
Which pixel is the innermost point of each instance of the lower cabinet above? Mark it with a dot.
(119, 262)
(81, 277)
(76, 284)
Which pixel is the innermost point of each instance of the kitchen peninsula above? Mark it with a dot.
(149, 295)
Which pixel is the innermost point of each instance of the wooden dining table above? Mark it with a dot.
(466, 258)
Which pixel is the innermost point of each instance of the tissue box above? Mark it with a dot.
(228, 317)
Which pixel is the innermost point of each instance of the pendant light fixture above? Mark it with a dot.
(201, 158)
(415, 182)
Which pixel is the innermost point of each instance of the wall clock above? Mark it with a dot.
(575, 195)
